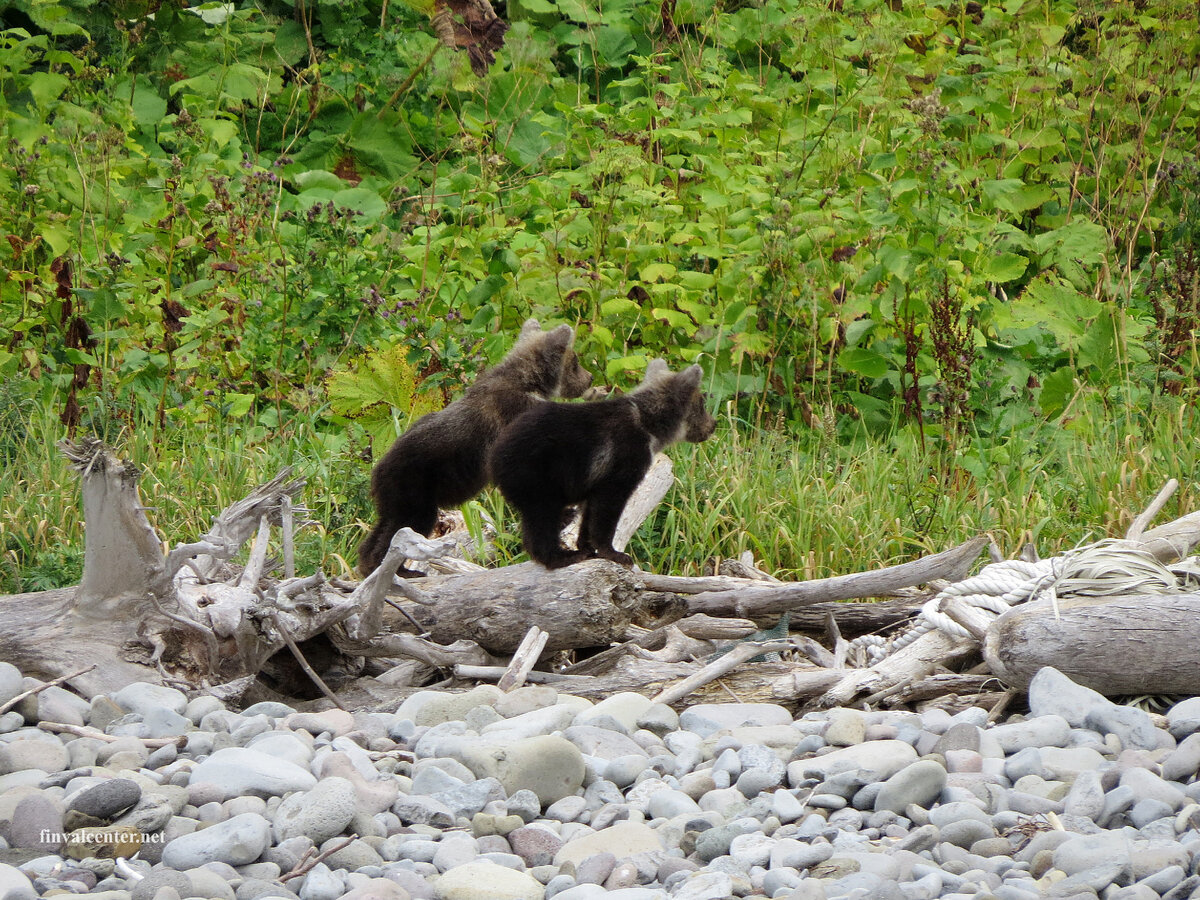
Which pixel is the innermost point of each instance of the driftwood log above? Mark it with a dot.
(192, 617)
(195, 618)
(754, 601)
(590, 604)
(1093, 640)
(1115, 645)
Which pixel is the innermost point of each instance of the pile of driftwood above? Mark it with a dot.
(192, 618)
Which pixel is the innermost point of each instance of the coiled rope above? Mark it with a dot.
(1106, 568)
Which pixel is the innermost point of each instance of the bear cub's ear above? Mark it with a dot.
(656, 370)
(560, 339)
(689, 379)
(529, 327)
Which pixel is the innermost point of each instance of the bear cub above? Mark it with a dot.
(441, 460)
(593, 454)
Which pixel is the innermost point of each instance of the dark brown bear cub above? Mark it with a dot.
(440, 461)
(595, 455)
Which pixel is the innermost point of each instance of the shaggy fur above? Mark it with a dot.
(441, 460)
(595, 455)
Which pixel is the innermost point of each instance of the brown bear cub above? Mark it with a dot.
(595, 455)
(441, 460)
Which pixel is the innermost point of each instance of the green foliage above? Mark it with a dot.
(945, 226)
(848, 216)
(380, 392)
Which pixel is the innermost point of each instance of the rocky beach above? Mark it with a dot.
(533, 794)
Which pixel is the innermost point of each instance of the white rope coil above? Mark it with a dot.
(1104, 569)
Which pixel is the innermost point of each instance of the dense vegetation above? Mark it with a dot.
(940, 261)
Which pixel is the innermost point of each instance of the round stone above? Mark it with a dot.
(919, 784)
(108, 799)
(487, 881)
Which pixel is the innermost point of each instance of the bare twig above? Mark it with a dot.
(287, 524)
(879, 696)
(80, 731)
(1002, 704)
(760, 601)
(815, 652)
(305, 865)
(841, 647)
(408, 82)
(5, 707)
(308, 670)
(258, 556)
(1138, 527)
(421, 632)
(524, 659)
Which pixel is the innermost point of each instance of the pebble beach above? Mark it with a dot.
(533, 794)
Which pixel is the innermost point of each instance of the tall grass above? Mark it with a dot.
(189, 474)
(810, 508)
(806, 507)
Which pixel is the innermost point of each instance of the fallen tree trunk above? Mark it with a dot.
(192, 617)
(590, 604)
(1115, 645)
(773, 600)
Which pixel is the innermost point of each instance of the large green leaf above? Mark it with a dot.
(46, 87)
(1057, 390)
(1080, 241)
(1005, 267)
(862, 361)
(290, 43)
(896, 260)
(148, 106)
(245, 82)
(1050, 304)
(614, 45)
(527, 143)
(1014, 195)
(381, 146)
(366, 203)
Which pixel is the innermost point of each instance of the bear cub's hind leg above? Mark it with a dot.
(601, 513)
(540, 535)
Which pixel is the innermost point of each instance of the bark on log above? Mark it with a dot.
(1117, 646)
(586, 605)
(753, 602)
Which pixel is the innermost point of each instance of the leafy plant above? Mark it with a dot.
(382, 394)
